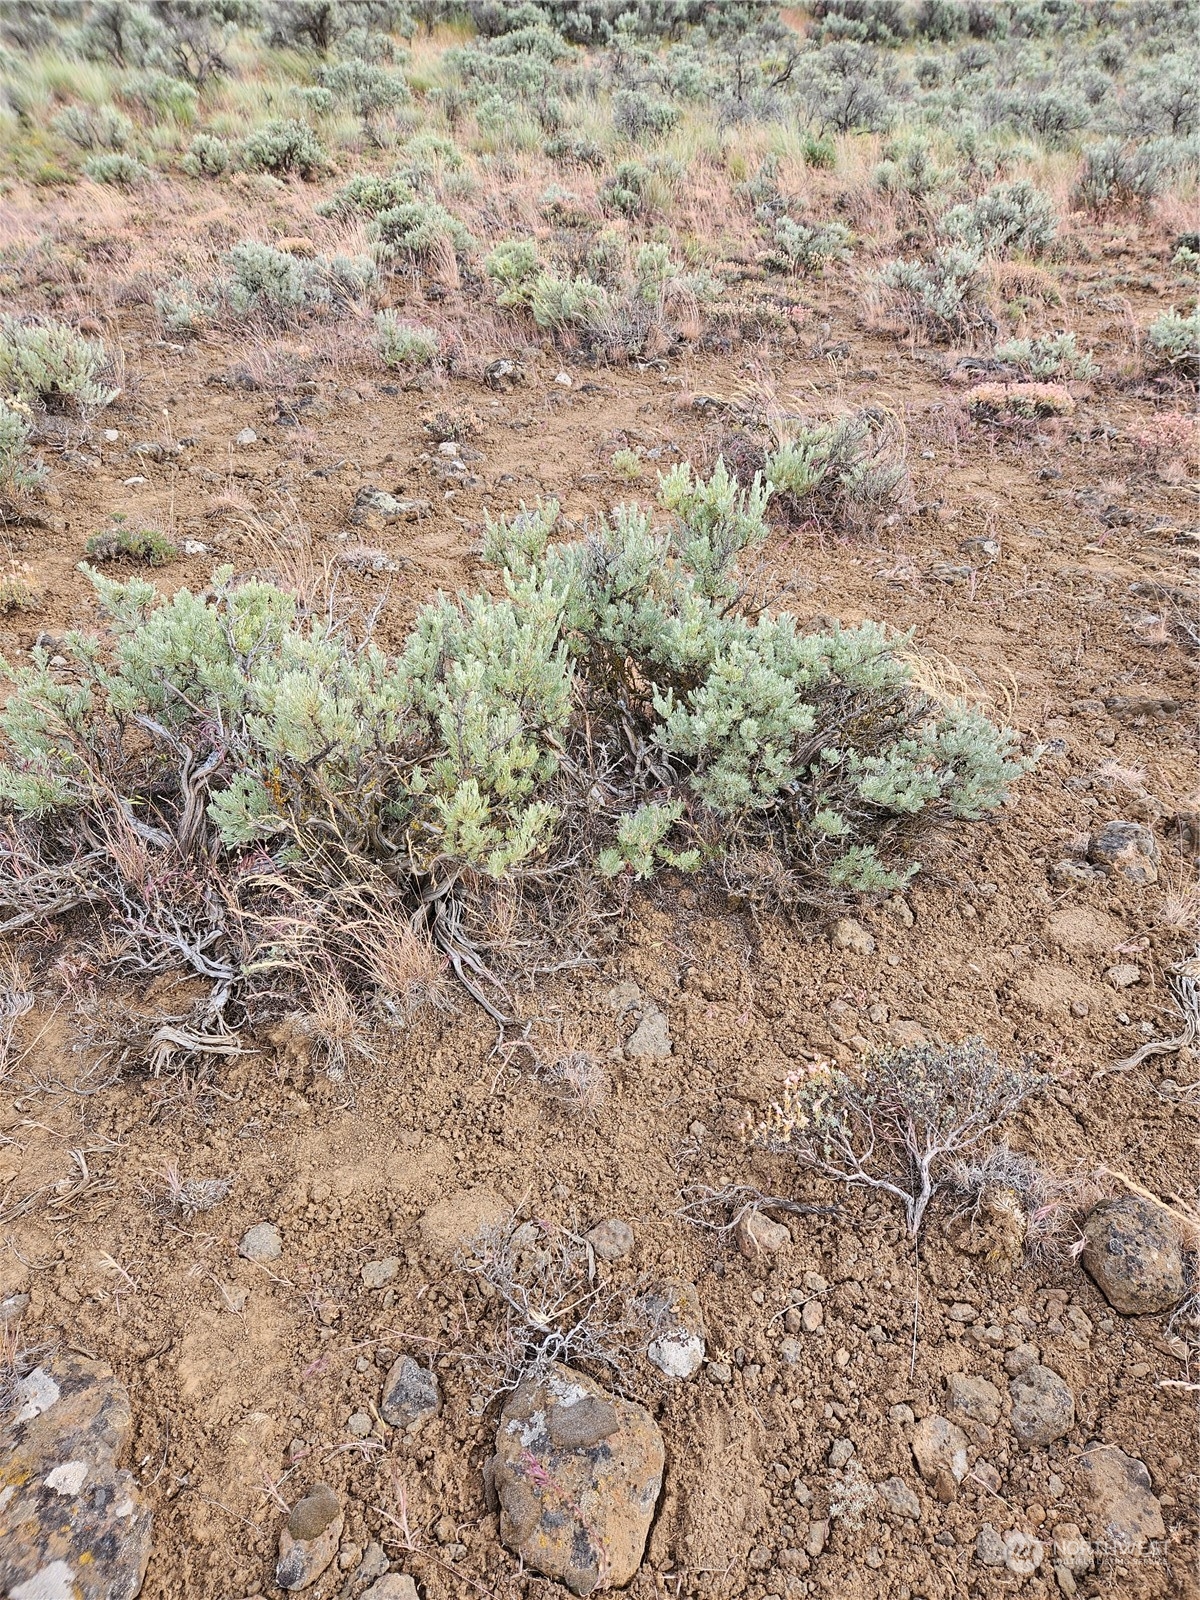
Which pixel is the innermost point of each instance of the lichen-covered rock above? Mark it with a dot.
(410, 1394)
(1132, 1250)
(310, 1539)
(940, 1451)
(677, 1348)
(1126, 848)
(1043, 1408)
(1116, 1490)
(72, 1522)
(974, 1398)
(578, 1473)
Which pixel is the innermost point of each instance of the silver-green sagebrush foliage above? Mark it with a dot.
(614, 709)
(49, 364)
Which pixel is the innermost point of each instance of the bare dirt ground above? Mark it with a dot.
(243, 1377)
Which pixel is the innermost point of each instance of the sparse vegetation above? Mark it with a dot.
(123, 541)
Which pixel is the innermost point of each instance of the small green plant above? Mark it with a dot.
(277, 285)
(902, 1122)
(1175, 341)
(115, 167)
(1050, 355)
(514, 267)
(640, 118)
(206, 157)
(627, 464)
(946, 296)
(1114, 175)
(404, 344)
(1010, 218)
(809, 247)
(16, 426)
(17, 593)
(284, 145)
(367, 194)
(566, 302)
(819, 151)
(184, 310)
(93, 128)
(846, 470)
(122, 541)
(49, 364)
(415, 230)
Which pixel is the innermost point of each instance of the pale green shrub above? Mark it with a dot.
(276, 285)
(94, 127)
(415, 230)
(206, 157)
(367, 194)
(404, 344)
(1009, 218)
(49, 364)
(558, 302)
(183, 309)
(124, 541)
(161, 95)
(115, 167)
(1050, 355)
(947, 296)
(366, 89)
(1114, 175)
(284, 145)
(514, 267)
(810, 247)
(16, 427)
(1175, 340)
(848, 470)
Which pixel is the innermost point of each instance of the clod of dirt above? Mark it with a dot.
(973, 1398)
(578, 1473)
(678, 1346)
(375, 1274)
(310, 1540)
(899, 1498)
(457, 1221)
(757, 1235)
(1116, 1488)
(611, 1239)
(1043, 1407)
(851, 935)
(1133, 1252)
(940, 1451)
(410, 1394)
(651, 1039)
(1126, 848)
(71, 1521)
(393, 1586)
(261, 1243)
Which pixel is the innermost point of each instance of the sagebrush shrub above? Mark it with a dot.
(558, 302)
(1114, 174)
(284, 145)
(1175, 340)
(125, 541)
(1049, 355)
(404, 344)
(947, 295)
(810, 247)
(115, 167)
(277, 285)
(184, 310)
(50, 364)
(415, 229)
(367, 194)
(614, 710)
(639, 117)
(847, 470)
(1011, 217)
(206, 157)
(16, 427)
(365, 88)
(514, 267)
(94, 127)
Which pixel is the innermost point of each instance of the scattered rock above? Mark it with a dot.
(1020, 1358)
(940, 1451)
(899, 1498)
(261, 1243)
(374, 1562)
(651, 1039)
(1023, 1554)
(375, 508)
(72, 1524)
(678, 1345)
(310, 1539)
(812, 1316)
(1126, 848)
(719, 1372)
(1043, 1408)
(1116, 1488)
(1073, 874)
(360, 1425)
(975, 1398)
(611, 1239)
(454, 1223)
(841, 1452)
(989, 1547)
(899, 910)
(503, 375)
(757, 1235)
(1072, 1550)
(1124, 975)
(1133, 1252)
(376, 1273)
(564, 380)
(247, 436)
(577, 1487)
(410, 1394)
(851, 935)
(393, 1586)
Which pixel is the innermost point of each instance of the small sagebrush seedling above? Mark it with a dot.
(123, 542)
(901, 1122)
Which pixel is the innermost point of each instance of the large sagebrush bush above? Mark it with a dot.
(49, 364)
(210, 762)
(1009, 218)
